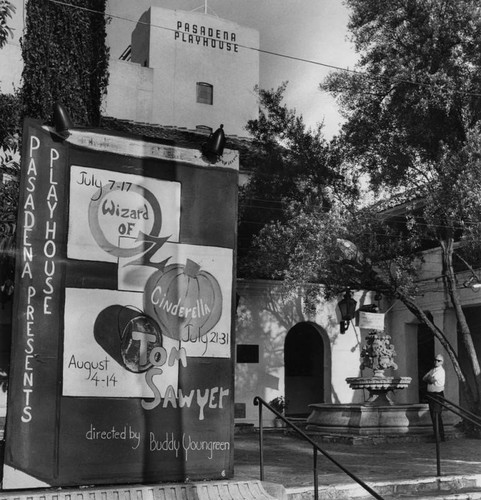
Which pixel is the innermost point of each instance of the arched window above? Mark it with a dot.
(205, 93)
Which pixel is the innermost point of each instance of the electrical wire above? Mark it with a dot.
(339, 68)
(457, 224)
(277, 54)
(309, 61)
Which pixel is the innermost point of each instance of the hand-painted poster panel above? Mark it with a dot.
(106, 207)
(123, 347)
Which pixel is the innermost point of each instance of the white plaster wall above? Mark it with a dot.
(345, 352)
(261, 320)
(11, 63)
(130, 93)
(264, 317)
(179, 65)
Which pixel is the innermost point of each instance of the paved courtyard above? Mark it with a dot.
(288, 460)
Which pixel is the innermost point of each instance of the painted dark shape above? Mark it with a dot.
(128, 336)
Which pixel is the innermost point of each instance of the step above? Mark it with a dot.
(458, 494)
(428, 488)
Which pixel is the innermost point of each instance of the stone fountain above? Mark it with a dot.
(378, 355)
(379, 417)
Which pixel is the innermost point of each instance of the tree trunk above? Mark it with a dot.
(466, 337)
(412, 306)
(439, 334)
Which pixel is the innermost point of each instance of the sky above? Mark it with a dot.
(309, 29)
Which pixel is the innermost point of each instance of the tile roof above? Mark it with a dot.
(180, 136)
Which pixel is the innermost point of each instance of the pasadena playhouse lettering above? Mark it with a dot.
(38, 298)
(207, 37)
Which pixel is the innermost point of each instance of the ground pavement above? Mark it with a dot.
(288, 460)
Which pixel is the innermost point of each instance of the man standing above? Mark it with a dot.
(435, 379)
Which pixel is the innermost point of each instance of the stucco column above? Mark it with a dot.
(447, 319)
(403, 326)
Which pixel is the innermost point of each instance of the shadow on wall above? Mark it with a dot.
(264, 315)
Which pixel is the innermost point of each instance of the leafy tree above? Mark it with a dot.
(286, 161)
(6, 11)
(9, 105)
(418, 88)
(9, 166)
(9, 184)
(413, 122)
(65, 59)
(413, 126)
(10, 122)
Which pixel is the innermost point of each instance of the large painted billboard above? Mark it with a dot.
(122, 349)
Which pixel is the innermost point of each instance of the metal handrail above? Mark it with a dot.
(461, 412)
(258, 401)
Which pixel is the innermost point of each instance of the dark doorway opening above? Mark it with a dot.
(425, 357)
(304, 369)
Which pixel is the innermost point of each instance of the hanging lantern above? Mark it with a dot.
(347, 307)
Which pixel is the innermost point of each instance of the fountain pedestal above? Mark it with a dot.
(378, 355)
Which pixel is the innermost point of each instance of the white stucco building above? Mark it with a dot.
(306, 358)
(187, 69)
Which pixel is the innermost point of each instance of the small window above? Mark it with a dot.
(205, 93)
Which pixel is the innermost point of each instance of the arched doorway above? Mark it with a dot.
(305, 366)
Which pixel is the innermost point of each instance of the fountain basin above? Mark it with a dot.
(374, 421)
(378, 388)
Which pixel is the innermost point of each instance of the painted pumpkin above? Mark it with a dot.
(186, 301)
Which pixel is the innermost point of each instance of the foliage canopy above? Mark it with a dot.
(413, 128)
(419, 85)
(65, 59)
(6, 11)
(290, 162)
